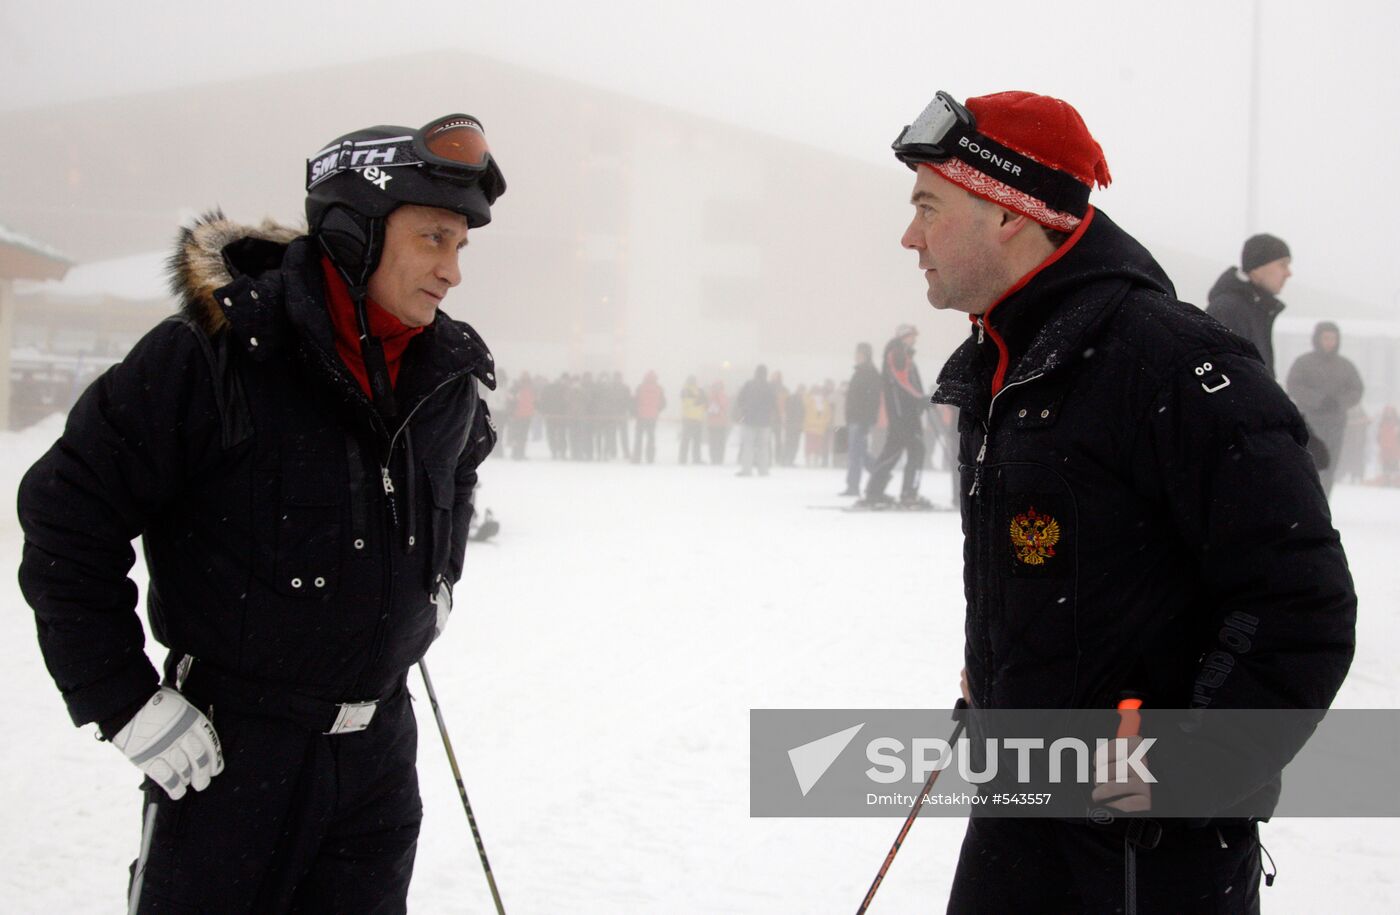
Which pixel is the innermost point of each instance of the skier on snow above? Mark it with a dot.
(298, 450)
(1133, 482)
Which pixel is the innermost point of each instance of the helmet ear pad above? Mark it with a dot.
(354, 242)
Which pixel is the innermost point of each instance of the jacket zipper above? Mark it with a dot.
(987, 431)
(393, 440)
(377, 644)
(984, 563)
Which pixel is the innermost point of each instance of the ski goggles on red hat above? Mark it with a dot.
(947, 130)
(451, 148)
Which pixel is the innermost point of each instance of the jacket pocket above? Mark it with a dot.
(310, 531)
(442, 485)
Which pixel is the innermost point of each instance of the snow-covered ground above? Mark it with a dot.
(597, 679)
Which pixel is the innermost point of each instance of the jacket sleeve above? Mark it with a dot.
(1277, 609)
(131, 441)
(1304, 383)
(1352, 387)
(481, 438)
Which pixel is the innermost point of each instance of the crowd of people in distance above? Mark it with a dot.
(881, 417)
(589, 416)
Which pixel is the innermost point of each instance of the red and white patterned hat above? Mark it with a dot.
(1044, 129)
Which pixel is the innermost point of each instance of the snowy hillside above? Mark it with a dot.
(597, 679)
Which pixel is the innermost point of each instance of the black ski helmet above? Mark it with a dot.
(356, 181)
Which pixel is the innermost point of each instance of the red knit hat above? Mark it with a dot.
(1048, 131)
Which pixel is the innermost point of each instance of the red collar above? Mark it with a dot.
(392, 333)
(1003, 356)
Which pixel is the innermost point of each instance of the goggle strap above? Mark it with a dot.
(1058, 190)
(387, 153)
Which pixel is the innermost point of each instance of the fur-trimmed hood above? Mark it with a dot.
(261, 284)
(199, 265)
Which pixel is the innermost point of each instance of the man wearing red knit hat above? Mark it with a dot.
(1141, 516)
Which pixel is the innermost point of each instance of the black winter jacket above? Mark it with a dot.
(757, 404)
(1246, 310)
(863, 396)
(234, 442)
(1325, 386)
(1134, 484)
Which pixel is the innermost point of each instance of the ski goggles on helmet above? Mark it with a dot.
(451, 148)
(946, 130)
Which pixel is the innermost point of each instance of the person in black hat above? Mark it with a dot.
(298, 451)
(1245, 299)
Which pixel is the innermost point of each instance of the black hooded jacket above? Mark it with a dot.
(1133, 481)
(1247, 310)
(1325, 385)
(235, 443)
(863, 395)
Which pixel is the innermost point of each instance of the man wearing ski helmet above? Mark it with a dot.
(298, 450)
(1132, 482)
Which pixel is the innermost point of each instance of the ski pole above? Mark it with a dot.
(958, 711)
(461, 788)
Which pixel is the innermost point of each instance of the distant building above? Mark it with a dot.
(632, 236)
(21, 259)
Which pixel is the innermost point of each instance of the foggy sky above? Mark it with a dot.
(1164, 90)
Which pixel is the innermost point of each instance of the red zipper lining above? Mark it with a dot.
(1003, 357)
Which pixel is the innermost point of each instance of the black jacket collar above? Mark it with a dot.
(1050, 322)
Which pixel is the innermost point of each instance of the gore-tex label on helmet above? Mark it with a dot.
(378, 178)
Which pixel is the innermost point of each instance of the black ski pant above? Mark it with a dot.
(692, 432)
(1034, 865)
(719, 436)
(556, 429)
(646, 429)
(904, 438)
(298, 821)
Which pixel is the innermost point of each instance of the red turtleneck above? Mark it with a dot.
(391, 332)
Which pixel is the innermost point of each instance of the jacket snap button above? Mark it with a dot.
(1044, 414)
(253, 293)
(253, 342)
(411, 540)
(359, 544)
(296, 582)
(228, 303)
(319, 582)
(1022, 414)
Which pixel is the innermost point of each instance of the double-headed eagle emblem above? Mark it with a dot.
(1033, 536)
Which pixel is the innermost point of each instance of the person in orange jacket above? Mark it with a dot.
(648, 403)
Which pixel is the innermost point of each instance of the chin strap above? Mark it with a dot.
(348, 238)
(372, 351)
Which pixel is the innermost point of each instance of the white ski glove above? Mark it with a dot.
(443, 602)
(172, 742)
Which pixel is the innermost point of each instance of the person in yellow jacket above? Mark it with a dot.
(816, 421)
(692, 420)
